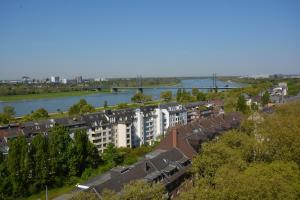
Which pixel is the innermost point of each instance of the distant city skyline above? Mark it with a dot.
(94, 39)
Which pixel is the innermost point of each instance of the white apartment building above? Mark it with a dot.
(100, 131)
(172, 114)
(147, 124)
(133, 127)
(54, 79)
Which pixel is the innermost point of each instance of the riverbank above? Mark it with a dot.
(49, 95)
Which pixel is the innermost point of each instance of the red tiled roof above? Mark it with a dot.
(188, 138)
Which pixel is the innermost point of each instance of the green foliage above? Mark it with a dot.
(40, 113)
(122, 105)
(178, 95)
(7, 115)
(241, 104)
(81, 107)
(18, 166)
(4, 119)
(137, 190)
(265, 99)
(9, 110)
(185, 97)
(105, 104)
(50, 161)
(112, 155)
(261, 161)
(166, 96)
(140, 98)
(201, 96)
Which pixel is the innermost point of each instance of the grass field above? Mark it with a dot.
(48, 95)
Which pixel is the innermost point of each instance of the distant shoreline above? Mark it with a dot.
(10, 98)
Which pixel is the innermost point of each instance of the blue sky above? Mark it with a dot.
(108, 38)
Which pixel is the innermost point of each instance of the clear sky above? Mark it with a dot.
(108, 38)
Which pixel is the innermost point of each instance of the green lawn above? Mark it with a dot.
(48, 95)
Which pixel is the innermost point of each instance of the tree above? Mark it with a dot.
(9, 111)
(201, 96)
(83, 154)
(241, 104)
(178, 95)
(166, 95)
(137, 190)
(59, 141)
(265, 99)
(4, 119)
(41, 169)
(40, 113)
(81, 107)
(112, 155)
(105, 104)
(140, 98)
(16, 167)
(195, 91)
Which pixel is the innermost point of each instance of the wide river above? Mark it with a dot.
(23, 107)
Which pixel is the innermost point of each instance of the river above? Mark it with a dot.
(23, 107)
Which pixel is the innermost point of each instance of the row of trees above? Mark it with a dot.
(184, 96)
(56, 160)
(47, 160)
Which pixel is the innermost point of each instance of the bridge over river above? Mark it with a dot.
(140, 89)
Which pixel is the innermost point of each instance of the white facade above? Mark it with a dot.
(64, 81)
(173, 115)
(54, 79)
(123, 135)
(101, 137)
(141, 126)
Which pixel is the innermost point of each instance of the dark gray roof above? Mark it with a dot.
(153, 166)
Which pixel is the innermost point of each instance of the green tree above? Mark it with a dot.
(4, 119)
(18, 149)
(265, 98)
(241, 104)
(112, 155)
(166, 95)
(81, 107)
(59, 141)
(105, 104)
(9, 111)
(41, 169)
(82, 154)
(140, 98)
(178, 95)
(201, 96)
(195, 91)
(137, 190)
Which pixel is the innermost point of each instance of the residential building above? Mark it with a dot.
(54, 79)
(172, 114)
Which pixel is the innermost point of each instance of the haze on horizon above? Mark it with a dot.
(150, 38)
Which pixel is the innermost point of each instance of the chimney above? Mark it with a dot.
(174, 137)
